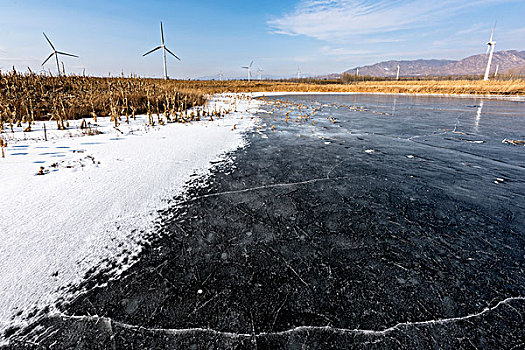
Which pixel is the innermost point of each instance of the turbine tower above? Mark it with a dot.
(259, 72)
(490, 48)
(55, 53)
(397, 75)
(164, 50)
(249, 68)
(298, 73)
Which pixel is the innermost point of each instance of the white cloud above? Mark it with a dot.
(18, 59)
(331, 51)
(344, 20)
(517, 32)
(384, 41)
(475, 28)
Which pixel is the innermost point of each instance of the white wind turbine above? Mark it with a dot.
(249, 68)
(259, 73)
(397, 75)
(299, 73)
(490, 48)
(164, 50)
(55, 53)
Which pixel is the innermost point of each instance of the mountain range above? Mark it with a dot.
(511, 61)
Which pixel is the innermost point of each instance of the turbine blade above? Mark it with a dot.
(171, 53)
(155, 49)
(493, 29)
(47, 59)
(251, 64)
(66, 54)
(49, 41)
(161, 33)
(245, 67)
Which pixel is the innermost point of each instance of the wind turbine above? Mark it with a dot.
(55, 53)
(259, 73)
(249, 68)
(298, 73)
(397, 75)
(490, 48)
(164, 49)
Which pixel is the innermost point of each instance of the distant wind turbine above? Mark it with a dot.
(298, 73)
(249, 68)
(164, 50)
(490, 48)
(55, 53)
(259, 72)
(397, 75)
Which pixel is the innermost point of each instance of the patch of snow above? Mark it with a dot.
(97, 195)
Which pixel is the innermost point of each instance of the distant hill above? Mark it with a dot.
(473, 65)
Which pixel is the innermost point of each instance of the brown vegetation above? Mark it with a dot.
(25, 98)
(477, 87)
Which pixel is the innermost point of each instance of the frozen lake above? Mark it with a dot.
(363, 221)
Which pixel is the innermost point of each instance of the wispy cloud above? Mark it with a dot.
(475, 28)
(343, 20)
(516, 32)
(339, 51)
(19, 59)
(384, 41)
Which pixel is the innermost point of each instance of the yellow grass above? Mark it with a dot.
(510, 87)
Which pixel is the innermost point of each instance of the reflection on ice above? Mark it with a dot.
(394, 106)
(478, 116)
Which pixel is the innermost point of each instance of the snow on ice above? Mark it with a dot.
(97, 197)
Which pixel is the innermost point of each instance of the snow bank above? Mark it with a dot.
(97, 197)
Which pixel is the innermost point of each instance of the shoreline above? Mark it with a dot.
(515, 98)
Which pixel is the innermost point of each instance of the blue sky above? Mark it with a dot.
(318, 36)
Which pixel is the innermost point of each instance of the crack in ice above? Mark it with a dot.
(264, 187)
(300, 328)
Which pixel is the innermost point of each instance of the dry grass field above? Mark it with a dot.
(26, 98)
(498, 87)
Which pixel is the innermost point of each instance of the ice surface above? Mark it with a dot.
(309, 240)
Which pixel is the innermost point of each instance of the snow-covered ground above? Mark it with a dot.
(98, 195)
